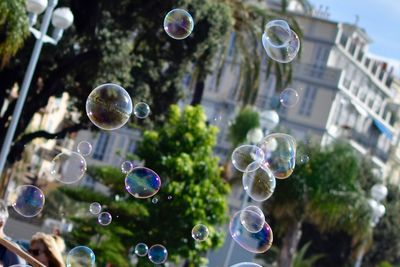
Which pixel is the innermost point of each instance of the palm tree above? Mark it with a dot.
(14, 28)
(246, 28)
(325, 192)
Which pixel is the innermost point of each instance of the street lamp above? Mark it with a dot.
(62, 19)
(378, 193)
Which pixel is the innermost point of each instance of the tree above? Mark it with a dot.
(246, 120)
(181, 153)
(324, 192)
(122, 43)
(13, 28)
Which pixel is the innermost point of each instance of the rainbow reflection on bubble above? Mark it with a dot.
(29, 200)
(246, 264)
(258, 242)
(280, 154)
(178, 24)
(142, 182)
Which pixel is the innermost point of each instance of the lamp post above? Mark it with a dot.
(62, 18)
(378, 193)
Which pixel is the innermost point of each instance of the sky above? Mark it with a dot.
(379, 18)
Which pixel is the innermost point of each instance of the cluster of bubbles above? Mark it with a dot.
(200, 232)
(103, 218)
(157, 254)
(81, 256)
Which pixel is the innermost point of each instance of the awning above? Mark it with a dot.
(383, 129)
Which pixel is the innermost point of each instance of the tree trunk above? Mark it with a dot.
(289, 247)
(198, 91)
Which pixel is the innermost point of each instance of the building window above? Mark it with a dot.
(231, 47)
(132, 147)
(101, 146)
(308, 101)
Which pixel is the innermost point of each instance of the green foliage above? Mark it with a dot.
(181, 153)
(300, 260)
(246, 120)
(13, 28)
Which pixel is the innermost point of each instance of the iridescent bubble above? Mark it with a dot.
(81, 256)
(68, 167)
(178, 24)
(252, 218)
(109, 106)
(104, 218)
(141, 249)
(278, 33)
(289, 97)
(246, 264)
(95, 208)
(243, 155)
(158, 254)
(200, 232)
(29, 200)
(259, 184)
(154, 200)
(283, 53)
(141, 110)
(258, 242)
(84, 148)
(280, 154)
(142, 182)
(126, 167)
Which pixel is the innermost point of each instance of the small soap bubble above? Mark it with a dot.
(104, 218)
(154, 200)
(81, 256)
(68, 167)
(289, 97)
(84, 148)
(158, 254)
(141, 110)
(178, 24)
(200, 232)
(126, 167)
(304, 159)
(141, 249)
(95, 208)
(169, 197)
(29, 200)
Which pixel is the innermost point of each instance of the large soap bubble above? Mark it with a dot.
(158, 254)
(178, 24)
(29, 200)
(259, 184)
(258, 242)
(244, 155)
(246, 264)
(68, 167)
(81, 256)
(109, 106)
(142, 182)
(280, 154)
(252, 218)
(278, 33)
(283, 53)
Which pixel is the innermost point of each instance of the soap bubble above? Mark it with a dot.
(289, 97)
(200, 232)
(158, 254)
(252, 218)
(154, 200)
(259, 184)
(84, 148)
(81, 256)
(178, 24)
(280, 154)
(104, 218)
(246, 264)
(141, 249)
(68, 167)
(141, 110)
(169, 197)
(243, 155)
(278, 33)
(109, 106)
(283, 53)
(142, 182)
(303, 159)
(20, 265)
(29, 200)
(95, 208)
(126, 167)
(258, 242)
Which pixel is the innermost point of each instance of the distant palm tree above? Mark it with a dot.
(249, 19)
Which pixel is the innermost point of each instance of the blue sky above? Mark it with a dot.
(380, 19)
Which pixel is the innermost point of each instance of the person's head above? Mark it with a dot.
(3, 214)
(44, 248)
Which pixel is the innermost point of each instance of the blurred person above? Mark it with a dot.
(45, 249)
(7, 257)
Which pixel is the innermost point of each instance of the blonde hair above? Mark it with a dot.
(53, 250)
